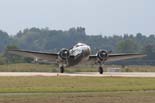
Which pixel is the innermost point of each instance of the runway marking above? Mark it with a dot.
(80, 74)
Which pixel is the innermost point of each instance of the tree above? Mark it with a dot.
(4, 40)
(150, 51)
(127, 46)
(2, 59)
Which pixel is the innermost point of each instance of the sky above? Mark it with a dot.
(107, 17)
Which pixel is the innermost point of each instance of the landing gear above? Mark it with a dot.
(61, 69)
(100, 69)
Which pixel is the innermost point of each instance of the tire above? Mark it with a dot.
(61, 69)
(100, 69)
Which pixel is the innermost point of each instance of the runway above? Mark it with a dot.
(79, 74)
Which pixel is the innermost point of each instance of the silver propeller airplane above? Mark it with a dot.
(80, 53)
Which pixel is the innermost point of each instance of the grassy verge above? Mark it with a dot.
(73, 84)
(138, 69)
(76, 90)
(24, 67)
(95, 97)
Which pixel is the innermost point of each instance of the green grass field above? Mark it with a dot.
(73, 84)
(95, 97)
(76, 90)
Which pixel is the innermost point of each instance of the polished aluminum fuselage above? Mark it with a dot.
(79, 53)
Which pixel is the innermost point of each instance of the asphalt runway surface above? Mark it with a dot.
(80, 74)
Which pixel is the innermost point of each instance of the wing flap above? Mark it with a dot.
(33, 54)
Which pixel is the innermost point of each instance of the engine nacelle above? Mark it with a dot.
(102, 55)
(64, 54)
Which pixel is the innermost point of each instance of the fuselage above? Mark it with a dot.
(80, 52)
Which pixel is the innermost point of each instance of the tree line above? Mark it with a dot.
(53, 40)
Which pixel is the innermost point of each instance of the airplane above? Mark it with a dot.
(79, 53)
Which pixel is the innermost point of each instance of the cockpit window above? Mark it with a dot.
(79, 44)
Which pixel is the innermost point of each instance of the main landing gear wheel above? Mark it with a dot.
(100, 69)
(61, 69)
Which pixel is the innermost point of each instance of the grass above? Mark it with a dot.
(138, 69)
(73, 84)
(110, 97)
(24, 67)
(76, 90)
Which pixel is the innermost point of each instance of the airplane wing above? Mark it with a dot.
(117, 57)
(32, 54)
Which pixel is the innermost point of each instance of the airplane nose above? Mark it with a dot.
(89, 50)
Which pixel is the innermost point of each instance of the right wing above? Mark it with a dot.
(32, 54)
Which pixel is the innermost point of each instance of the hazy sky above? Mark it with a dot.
(97, 16)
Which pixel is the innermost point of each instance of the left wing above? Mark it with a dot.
(117, 57)
(39, 55)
